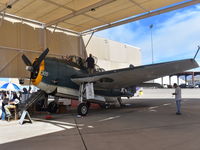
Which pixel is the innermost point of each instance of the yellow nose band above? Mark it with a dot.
(38, 79)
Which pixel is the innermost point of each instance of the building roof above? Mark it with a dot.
(84, 15)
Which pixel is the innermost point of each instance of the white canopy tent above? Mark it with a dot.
(81, 16)
(50, 18)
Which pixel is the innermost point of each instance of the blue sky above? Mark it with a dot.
(176, 35)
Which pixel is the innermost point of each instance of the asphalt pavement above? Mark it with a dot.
(147, 122)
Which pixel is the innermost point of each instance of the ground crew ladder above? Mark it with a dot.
(28, 102)
(32, 99)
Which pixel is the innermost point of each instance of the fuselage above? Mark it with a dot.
(54, 77)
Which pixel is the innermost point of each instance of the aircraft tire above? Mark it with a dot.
(52, 107)
(82, 109)
(105, 106)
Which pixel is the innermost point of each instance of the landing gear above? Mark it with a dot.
(52, 107)
(105, 106)
(119, 99)
(86, 93)
(82, 109)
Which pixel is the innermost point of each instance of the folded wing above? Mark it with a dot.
(127, 77)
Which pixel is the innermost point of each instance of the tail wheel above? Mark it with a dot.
(104, 106)
(82, 109)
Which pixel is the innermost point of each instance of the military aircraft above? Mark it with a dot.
(70, 79)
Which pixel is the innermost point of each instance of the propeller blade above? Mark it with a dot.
(34, 68)
(26, 60)
(37, 63)
(42, 56)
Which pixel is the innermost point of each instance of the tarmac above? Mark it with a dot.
(147, 122)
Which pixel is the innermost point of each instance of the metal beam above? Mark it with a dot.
(9, 3)
(80, 12)
(6, 15)
(21, 19)
(148, 14)
(8, 62)
(26, 50)
(64, 30)
(43, 38)
(2, 18)
(135, 3)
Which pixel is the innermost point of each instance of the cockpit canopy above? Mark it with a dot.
(81, 63)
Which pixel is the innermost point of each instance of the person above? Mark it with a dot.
(1, 108)
(178, 97)
(11, 104)
(24, 96)
(25, 91)
(80, 62)
(4, 102)
(90, 64)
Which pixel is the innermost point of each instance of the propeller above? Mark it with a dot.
(26, 60)
(33, 68)
(38, 61)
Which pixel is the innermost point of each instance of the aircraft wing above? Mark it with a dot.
(127, 77)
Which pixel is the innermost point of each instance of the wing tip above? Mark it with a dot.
(196, 65)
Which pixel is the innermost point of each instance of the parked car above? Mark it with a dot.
(169, 86)
(183, 86)
(191, 86)
(197, 85)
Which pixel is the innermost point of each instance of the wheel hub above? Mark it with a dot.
(84, 110)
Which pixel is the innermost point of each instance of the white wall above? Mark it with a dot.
(166, 80)
(112, 54)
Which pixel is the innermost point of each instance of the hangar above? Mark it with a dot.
(30, 26)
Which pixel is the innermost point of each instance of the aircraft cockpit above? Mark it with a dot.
(98, 69)
(78, 61)
(81, 63)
